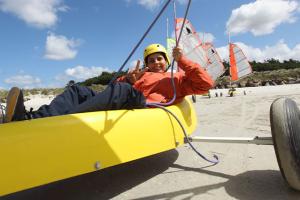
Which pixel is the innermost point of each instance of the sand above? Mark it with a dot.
(35, 101)
(245, 171)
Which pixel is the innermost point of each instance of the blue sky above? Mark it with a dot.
(45, 43)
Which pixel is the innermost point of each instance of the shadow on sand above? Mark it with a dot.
(110, 182)
(256, 184)
(104, 184)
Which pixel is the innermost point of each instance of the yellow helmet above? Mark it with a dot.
(155, 48)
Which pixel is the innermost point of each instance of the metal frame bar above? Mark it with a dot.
(238, 140)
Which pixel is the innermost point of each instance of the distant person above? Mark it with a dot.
(209, 95)
(134, 90)
(231, 91)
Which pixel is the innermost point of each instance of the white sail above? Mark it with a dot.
(239, 65)
(215, 65)
(190, 42)
(204, 54)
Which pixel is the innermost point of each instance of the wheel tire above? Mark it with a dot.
(285, 126)
(194, 98)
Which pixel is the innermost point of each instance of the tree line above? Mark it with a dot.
(103, 79)
(268, 65)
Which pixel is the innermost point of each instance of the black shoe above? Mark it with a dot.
(15, 109)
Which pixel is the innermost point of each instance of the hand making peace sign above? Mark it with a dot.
(135, 74)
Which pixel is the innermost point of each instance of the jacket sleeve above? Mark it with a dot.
(195, 79)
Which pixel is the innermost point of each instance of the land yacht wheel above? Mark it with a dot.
(285, 126)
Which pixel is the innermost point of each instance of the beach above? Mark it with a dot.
(245, 171)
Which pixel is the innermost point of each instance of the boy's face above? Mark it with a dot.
(156, 62)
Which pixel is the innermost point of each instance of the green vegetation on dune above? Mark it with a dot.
(46, 91)
(269, 65)
(278, 77)
(102, 79)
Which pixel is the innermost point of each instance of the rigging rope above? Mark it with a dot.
(216, 159)
(161, 105)
(140, 41)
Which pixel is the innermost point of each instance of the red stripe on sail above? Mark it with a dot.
(232, 64)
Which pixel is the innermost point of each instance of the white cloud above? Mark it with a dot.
(38, 13)
(149, 4)
(152, 4)
(262, 16)
(80, 73)
(58, 47)
(279, 51)
(23, 81)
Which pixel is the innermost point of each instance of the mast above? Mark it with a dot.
(174, 11)
(167, 28)
(229, 58)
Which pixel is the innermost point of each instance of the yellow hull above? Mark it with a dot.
(45, 150)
